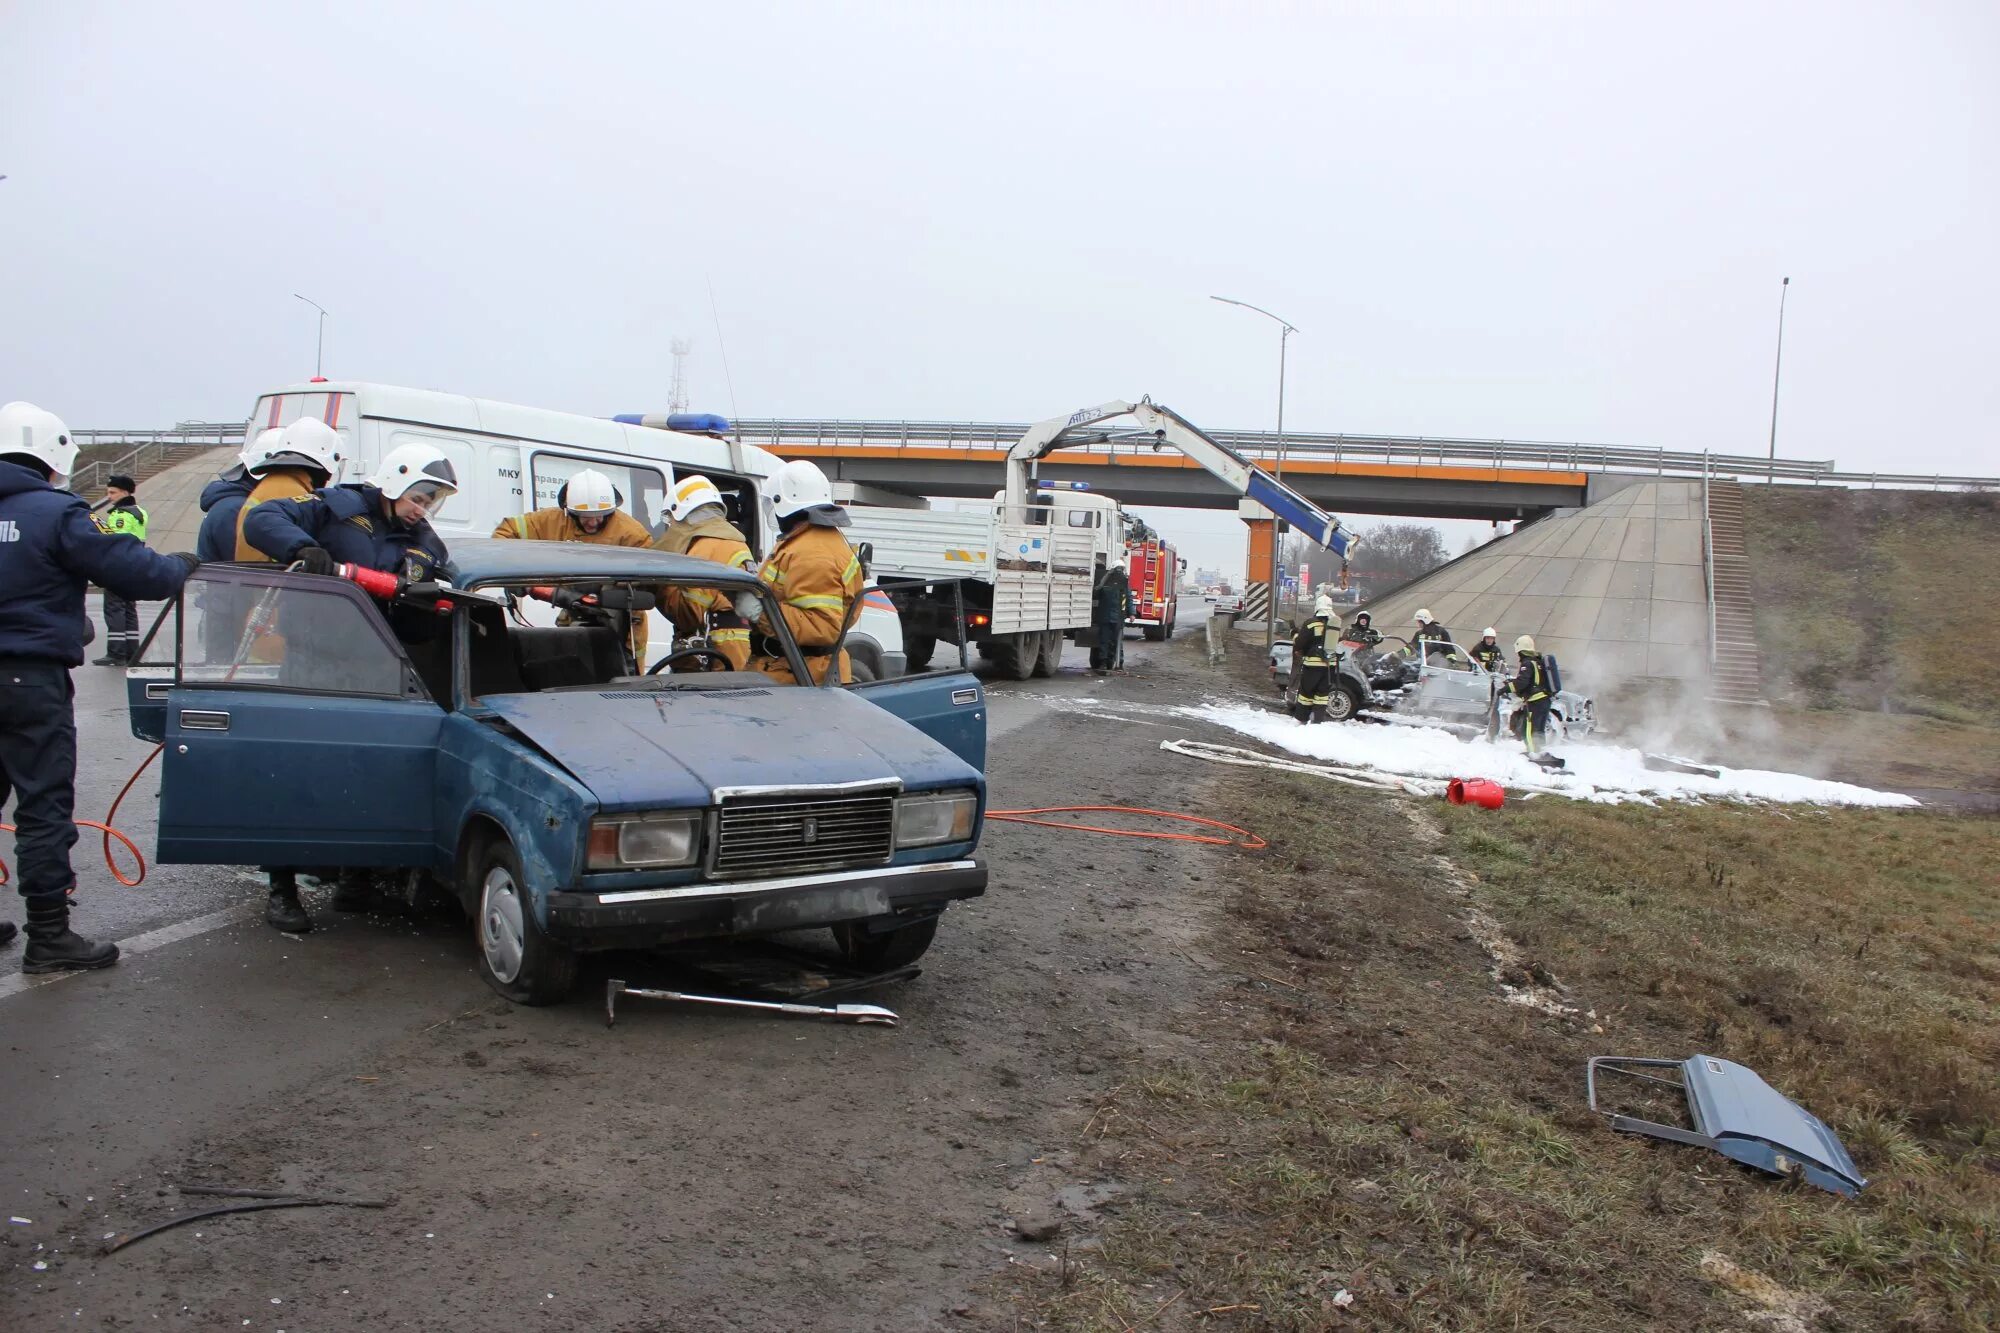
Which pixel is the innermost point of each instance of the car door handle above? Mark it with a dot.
(196, 719)
(158, 689)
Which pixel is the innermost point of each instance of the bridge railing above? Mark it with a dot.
(1418, 450)
(146, 448)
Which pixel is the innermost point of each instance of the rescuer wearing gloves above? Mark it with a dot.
(305, 457)
(1363, 631)
(49, 549)
(124, 518)
(383, 525)
(1313, 649)
(701, 528)
(815, 574)
(1487, 652)
(586, 510)
(1531, 686)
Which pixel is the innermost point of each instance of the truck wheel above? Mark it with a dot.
(1015, 655)
(918, 650)
(884, 952)
(1048, 652)
(1342, 705)
(1156, 633)
(516, 959)
(858, 671)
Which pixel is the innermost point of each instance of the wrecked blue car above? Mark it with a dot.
(566, 801)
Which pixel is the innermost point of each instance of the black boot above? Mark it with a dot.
(353, 892)
(8, 931)
(107, 660)
(54, 947)
(283, 908)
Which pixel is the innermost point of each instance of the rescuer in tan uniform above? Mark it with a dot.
(586, 510)
(815, 574)
(305, 457)
(701, 528)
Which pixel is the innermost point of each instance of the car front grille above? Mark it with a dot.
(758, 836)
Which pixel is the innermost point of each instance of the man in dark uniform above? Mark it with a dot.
(124, 518)
(1486, 653)
(382, 524)
(1531, 686)
(1431, 640)
(1107, 616)
(1313, 650)
(49, 549)
(1363, 632)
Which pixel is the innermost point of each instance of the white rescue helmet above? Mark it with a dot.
(41, 435)
(254, 453)
(1423, 617)
(803, 489)
(307, 442)
(1524, 644)
(589, 493)
(1490, 633)
(1323, 607)
(691, 493)
(408, 467)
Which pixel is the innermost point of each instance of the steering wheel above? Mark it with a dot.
(715, 660)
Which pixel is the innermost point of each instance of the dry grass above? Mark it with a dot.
(1382, 1124)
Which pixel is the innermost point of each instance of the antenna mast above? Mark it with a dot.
(677, 401)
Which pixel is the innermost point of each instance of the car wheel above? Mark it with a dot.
(918, 650)
(1342, 705)
(858, 670)
(887, 950)
(516, 959)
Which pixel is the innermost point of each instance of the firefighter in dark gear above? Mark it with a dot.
(383, 525)
(1531, 686)
(1110, 603)
(1313, 652)
(701, 528)
(124, 518)
(222, 499)
(586, 510)
(50, 548)
(304, 457)
(1486, 653)
(815, 575)
(1431, 640)
(1363, 632)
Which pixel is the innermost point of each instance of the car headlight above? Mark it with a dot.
(619, 842)
(923, 821)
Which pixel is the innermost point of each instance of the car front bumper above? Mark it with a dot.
(642, 918)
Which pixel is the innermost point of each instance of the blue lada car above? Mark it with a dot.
(569, 803)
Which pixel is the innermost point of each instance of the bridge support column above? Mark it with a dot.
(1257, 589)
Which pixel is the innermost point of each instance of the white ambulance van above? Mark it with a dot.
(513, 459)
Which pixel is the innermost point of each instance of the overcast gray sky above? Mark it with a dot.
(1533, 221)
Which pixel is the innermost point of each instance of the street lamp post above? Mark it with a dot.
(319, 348)
(1778, 367)
(1286, 330)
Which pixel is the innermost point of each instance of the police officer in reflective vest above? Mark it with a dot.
(124, 518)
(701, 528)
(586, 510)
(49, 549)
(1531, 686)
(814, 572)
(1313, 650)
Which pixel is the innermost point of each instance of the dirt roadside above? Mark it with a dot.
(688, 1171)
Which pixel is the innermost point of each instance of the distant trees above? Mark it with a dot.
(1394, 553)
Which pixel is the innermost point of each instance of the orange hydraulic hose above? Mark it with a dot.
(110, 832)
(1248, 840)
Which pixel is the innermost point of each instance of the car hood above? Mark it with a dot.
(662, 749)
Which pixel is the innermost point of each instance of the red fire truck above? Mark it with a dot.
(1155, 573)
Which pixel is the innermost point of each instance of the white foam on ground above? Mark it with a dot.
(1598, 770)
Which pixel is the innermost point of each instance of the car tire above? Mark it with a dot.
(859, 670)
(918, 649)
(1342, 704)
(516, 958)
(884, 952)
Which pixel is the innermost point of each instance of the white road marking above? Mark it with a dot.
(18, 982)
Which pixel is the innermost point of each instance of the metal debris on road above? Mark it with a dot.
(837, 1013)
(1739, 1115)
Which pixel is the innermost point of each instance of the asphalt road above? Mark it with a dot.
(219, 1045)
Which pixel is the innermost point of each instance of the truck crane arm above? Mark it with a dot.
(1166, 426)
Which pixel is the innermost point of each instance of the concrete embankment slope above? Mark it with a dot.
(1616, 589)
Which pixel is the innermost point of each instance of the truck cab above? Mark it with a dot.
(568, 803)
